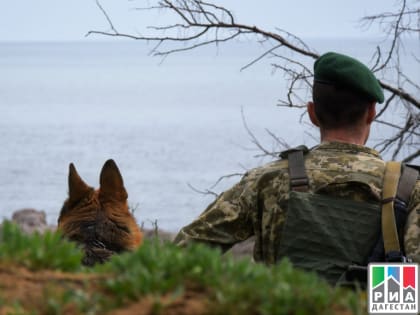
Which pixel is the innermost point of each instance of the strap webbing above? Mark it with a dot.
(389, 226)
(407, 182)
(298, 178)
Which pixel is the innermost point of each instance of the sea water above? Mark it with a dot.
(173, 126)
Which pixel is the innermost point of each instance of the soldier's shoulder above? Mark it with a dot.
(261, 176)
(274, 166)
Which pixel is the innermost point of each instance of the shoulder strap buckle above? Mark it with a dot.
(299, 180)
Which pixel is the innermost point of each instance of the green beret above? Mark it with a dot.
(341, 70)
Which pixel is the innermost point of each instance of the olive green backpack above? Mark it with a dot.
(336, 237)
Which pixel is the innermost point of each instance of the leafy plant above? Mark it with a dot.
(232, 286)
(46, 251)
(166, 273)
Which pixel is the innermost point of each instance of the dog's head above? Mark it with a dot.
(99, 220)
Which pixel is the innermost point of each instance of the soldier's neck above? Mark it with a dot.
(346, 136)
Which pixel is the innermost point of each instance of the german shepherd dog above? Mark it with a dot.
(99, 220)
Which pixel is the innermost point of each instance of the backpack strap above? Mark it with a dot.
(408, 180)
(399, 182)
(299, 180)
(406, 186)
(400, 203)
(389, 192)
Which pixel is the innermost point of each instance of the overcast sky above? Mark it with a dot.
(54, 20)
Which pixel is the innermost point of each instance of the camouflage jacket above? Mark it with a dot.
(257, 205)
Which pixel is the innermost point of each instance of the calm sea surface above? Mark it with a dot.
(166, 124)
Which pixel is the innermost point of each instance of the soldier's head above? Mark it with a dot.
(344, 93)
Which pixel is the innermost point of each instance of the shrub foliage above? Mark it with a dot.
(162, 270)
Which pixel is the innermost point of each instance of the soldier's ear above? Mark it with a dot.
(311, 112)
(77, 187)
(371, 113)
(111, 183)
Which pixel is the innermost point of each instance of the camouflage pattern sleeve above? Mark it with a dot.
(412, 228)
(227, 220)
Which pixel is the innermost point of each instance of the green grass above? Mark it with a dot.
(35, 252)
(234, 287)
(162, 269)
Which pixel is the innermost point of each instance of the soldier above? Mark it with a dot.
(321, 207)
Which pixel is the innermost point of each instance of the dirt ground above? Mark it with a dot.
(32, 289)
(25, 292)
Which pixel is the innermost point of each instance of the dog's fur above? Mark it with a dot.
(99, 220)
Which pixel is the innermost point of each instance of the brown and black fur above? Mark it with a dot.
(99, 220)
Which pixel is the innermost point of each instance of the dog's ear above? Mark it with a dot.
(77, 187)
(111, 181)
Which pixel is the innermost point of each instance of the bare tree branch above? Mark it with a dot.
(402, 94)
(411, 157)
(179, 6)
(225, 177)
(209, 191)
(254, 61)
(255, 141)
(106, 16)
(396, 36)
(202, 23)
(387, 103)
(202, 192)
